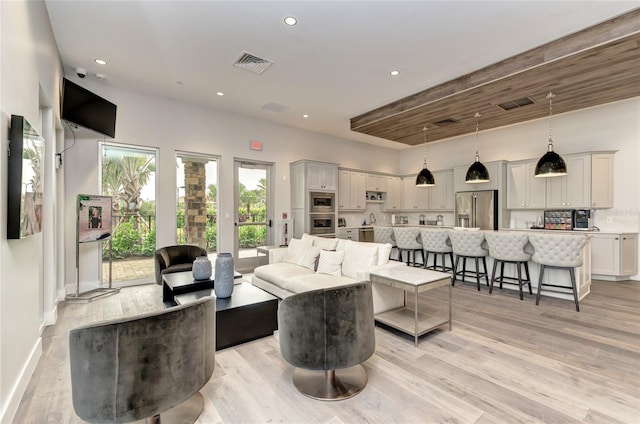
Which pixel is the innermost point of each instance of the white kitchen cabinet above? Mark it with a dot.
(322, 176)
(441, 195)
(614, 256)
(602, 180)
(348, 233)
(351, 190)
(414, 198)
(344, 189)
(376, 183)
(394, 194)
(524, 190)
(358, 191)
(571, 191)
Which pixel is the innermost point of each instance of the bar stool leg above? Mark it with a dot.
(526, 272)
(477, 273)
(486, 274)
(493, 275)
(451, 257)
(464, 268)
(455, 271)
(540, 283)
(575, 290)
(519, 280)
(501, 273)
(425, 265)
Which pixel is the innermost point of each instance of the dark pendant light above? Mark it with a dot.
(477, 172)
(550, 164)
(425, 177)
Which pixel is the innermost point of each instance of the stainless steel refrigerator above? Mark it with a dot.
(477, 209)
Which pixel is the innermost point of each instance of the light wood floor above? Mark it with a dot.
(506, 361)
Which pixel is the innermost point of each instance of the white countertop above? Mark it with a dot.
(591, 232)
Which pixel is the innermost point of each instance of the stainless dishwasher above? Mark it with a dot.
(366, 234)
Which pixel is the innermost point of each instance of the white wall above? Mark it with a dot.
(30, 71)
(169, 125)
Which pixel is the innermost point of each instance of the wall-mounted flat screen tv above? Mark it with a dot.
(82, 107)
(25, 179)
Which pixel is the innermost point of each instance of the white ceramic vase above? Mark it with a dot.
(201, 268)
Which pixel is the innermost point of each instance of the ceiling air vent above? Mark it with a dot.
(525, 101)
(275, 107)
(445, 122)
(252, 63)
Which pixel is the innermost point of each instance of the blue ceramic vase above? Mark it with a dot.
(201, 268)
(223, 279)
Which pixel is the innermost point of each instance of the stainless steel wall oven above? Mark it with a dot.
(321, 223)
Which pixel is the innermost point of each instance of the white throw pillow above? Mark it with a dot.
(358, 257)
(309, 257)
(307, 239)
(325, 243)
(295, 250)
(330, 263)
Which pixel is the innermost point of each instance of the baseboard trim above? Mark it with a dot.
(17, 391)
(51, 317)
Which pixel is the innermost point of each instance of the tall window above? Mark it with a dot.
(197, 200)
(128, 176)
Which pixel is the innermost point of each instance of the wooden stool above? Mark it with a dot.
(509, 248)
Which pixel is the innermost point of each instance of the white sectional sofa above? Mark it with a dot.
(316, 262)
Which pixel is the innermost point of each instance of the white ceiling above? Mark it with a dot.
(333, 65)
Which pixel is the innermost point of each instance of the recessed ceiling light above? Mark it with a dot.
(394, 73)
(101, 62)
(220, 93)
(290, 20)
(305, 116)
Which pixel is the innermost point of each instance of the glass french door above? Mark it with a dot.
(253, 215)
(128, 176)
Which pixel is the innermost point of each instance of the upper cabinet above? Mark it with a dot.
(394, 194)
(414, 198)
(376, 183)
(351, 190)
(441, 195)
(322, 176)
(524, 190)
(588, 183)
(496, 170)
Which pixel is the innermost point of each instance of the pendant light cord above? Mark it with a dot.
(425, 146)
(477, 116)
(550, 96)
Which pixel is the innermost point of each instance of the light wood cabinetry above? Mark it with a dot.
(394, 194)
(376, 183)
(614, 256)
(322, 176)
(441, 195)
(524, 190)
(414, 198)
(588, 183)
(351, 190)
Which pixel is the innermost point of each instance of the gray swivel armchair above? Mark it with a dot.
(176, 258)
(144, 366)
(326, 334)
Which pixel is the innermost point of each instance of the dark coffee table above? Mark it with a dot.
(250, 313)
(177, 283)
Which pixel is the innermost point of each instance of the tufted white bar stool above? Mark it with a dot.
(561, 252)
(408, 240)
(435, 241)
(385, 235)
(509, 248)
(468, 245)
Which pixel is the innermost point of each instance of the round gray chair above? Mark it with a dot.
(408, 240)
(469, 245)
(326, 334)
(150, 365)
(435, 242)
(509, 248)
(560, 252)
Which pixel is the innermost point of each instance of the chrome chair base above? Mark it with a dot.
(332, 384)
(185, 413)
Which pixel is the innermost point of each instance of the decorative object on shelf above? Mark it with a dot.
(201, 268)
(477, 172)
(425, 177)
(550, 164)
(223, 279)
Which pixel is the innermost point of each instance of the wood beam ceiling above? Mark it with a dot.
(598, 65)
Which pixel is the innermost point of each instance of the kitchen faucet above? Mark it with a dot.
(372, 218)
